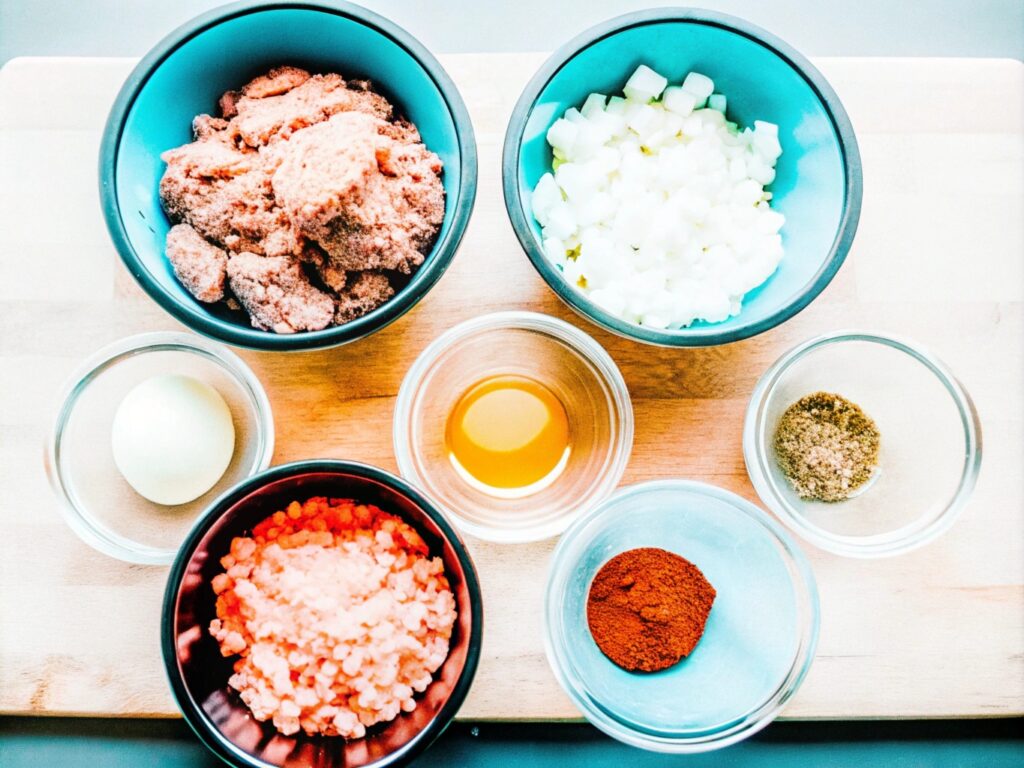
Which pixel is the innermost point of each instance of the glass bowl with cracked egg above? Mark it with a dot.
(514, 423)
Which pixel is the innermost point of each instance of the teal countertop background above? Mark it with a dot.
(993, 28)
(46, 743)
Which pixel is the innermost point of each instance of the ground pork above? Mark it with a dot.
(369, 200)
(263, 120)
(277, 81)
(302, 168)
(277, 294)
(198, 264)
(226, 195)
(365, 292)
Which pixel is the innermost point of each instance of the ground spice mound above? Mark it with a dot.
(647, 609)
(826, 446)
(338, 614)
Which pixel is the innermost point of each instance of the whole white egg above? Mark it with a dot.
(173, 438)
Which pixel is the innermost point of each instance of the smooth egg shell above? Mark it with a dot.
(173, 438)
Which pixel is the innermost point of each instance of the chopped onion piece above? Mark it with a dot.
(657, 209)
(644, 84)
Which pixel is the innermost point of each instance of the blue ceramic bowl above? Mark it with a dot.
(186, 73)
(818, 182)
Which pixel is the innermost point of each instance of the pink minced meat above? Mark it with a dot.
(226, 195)
(277, 81)
(362, 195)
(305, 169)
(365, 291)
(198, 264)
(277, 294)
(264, 120)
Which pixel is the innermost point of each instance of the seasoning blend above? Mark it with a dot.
(827, 447)
(508, 436)
(647, 609)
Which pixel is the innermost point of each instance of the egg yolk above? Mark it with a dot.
(508, 432)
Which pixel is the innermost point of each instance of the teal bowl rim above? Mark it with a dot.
(194, 316)
(745, 725)
(220, 744)
(685, 337)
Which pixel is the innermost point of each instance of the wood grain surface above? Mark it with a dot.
(939, 257)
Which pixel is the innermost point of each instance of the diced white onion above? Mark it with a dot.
(656, 208)
(644, 84)
(701, 86)
(679, 101)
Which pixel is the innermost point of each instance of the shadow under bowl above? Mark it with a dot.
(198, 673)
(818, 183)
(185, 75)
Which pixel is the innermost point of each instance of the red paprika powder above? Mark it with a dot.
(647, 608)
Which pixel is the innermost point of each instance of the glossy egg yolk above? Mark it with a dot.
(508, 432)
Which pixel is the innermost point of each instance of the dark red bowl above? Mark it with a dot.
(198, 673)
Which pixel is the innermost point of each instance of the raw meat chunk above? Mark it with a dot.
(277, 295)
(198, 264)
(365, 292)
(369, 201)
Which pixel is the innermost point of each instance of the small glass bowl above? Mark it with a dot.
(561, 357)
(758, 643)
(929, 454)
(95, 499)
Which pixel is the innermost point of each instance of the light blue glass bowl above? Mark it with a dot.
(186, 73)
(818, 183)
(760, 637)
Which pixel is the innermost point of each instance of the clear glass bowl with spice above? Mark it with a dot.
(864, 444)
(698, 553)
(514, 422)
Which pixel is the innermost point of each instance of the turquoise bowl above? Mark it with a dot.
(818, 182)
(186, 73)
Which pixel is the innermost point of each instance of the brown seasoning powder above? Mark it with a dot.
(647, 608)
(826, 446)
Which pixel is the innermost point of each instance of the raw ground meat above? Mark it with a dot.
(198, 264)
(275, 82)
(361, 194)
(277, 294)
(337, 616)
(365, 291)
(261, 121)
(226, 195)
(301, 169)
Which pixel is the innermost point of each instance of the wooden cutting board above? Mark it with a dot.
(939, 257)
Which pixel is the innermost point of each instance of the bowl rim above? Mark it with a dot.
(801, 577)
(536, 322)
(98, 537)
(196, 317)
(902, 540)
(709, 335)
(194, 714)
